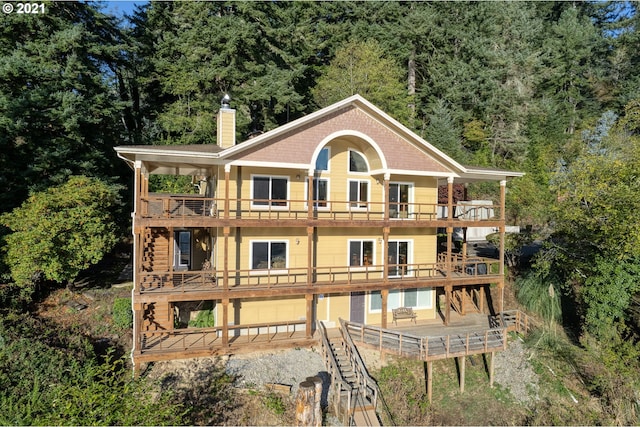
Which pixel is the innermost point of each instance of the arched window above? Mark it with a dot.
(357, 162)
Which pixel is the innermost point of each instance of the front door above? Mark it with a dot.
(357, 307)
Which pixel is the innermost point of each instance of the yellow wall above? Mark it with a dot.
(332, 243)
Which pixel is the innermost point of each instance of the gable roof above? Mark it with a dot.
(399, 150)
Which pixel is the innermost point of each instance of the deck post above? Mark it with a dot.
(447, 304)
(227, 173)
(310, 195)
(387, 177)
(462, 361)
(309, 256)
(309, 315)
(225, 322)
(429, 375)
(384, 294)
(225, 260)
(491, 369)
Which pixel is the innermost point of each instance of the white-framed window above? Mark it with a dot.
(320, 192)
(399, 256)
(182, 250)
(358, 162)
(322, 162)
(270, 191)
(414, 298)
(361, 253)
(269, 255)
(358, 193)
(399, 199)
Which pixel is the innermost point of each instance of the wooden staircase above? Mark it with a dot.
(354, 405)
(155, 250)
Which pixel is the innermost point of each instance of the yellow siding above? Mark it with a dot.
(332, 243)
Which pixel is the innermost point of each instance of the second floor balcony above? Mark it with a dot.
(165, 206)
(455, 270)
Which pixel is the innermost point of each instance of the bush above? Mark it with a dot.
(122, 313)
(61, 231)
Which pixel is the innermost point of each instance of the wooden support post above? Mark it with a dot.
(309, 315)
(225, 322)
(429, 375)
(447, 304)
(384, 294)
(385, 248)
(387, 176)
(491, 369)
(310, 195)
(309, 256)
(225, 260)
(227, 173)
(462, 360)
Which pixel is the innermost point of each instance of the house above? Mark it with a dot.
(334, 215)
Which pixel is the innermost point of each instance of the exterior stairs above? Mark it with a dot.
(363, 410)
(155, 250)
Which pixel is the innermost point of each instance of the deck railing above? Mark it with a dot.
(428, 348)
(179, 206)
(338, 383)
(204, 338)
(197, 280)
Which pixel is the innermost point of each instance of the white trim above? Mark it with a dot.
(349, 202)
(274, 165)
(269, 205)
(410, 245)
(268, 270)
(349, 132)
(366, 161)
(373, 254)
(328, 169)
(409, 201)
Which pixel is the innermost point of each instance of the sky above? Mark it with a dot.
(121, 7)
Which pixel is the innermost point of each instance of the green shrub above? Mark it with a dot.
(61, 231)
(122, 313)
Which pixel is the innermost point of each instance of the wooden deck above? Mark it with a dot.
(430, 340)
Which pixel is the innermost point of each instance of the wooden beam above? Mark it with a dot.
(429, 375)
(463, 364)
(491, 366)
(225, 322)
(384, 294)
(309, 315)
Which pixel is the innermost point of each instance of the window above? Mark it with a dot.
(268, 255)
(320, 192)
(357, 162)
(358, 194)
(270, 191)
(360, 253)
(418, 298)
(398, 200)
(322, 162)
(182, 250)
(398, 253)
(415, 298)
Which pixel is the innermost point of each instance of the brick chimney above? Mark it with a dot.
(226, 124)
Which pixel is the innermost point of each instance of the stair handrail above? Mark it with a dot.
(361, 369)
(338, 382)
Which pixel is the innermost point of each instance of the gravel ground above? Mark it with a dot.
(290, 367)
(512, 370)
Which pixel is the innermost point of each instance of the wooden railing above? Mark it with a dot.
(428, 348)
(201, 338)
(338, 382)
(179, 206)
(196, 280)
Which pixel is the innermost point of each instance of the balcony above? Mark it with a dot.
(296, 281)
(160, 206)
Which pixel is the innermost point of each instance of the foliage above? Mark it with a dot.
(404, 393)
(274, 403)
(59, 110)
(51, 376)
(122, 313)
(61, 231)
(205, 318)
(361, 67)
